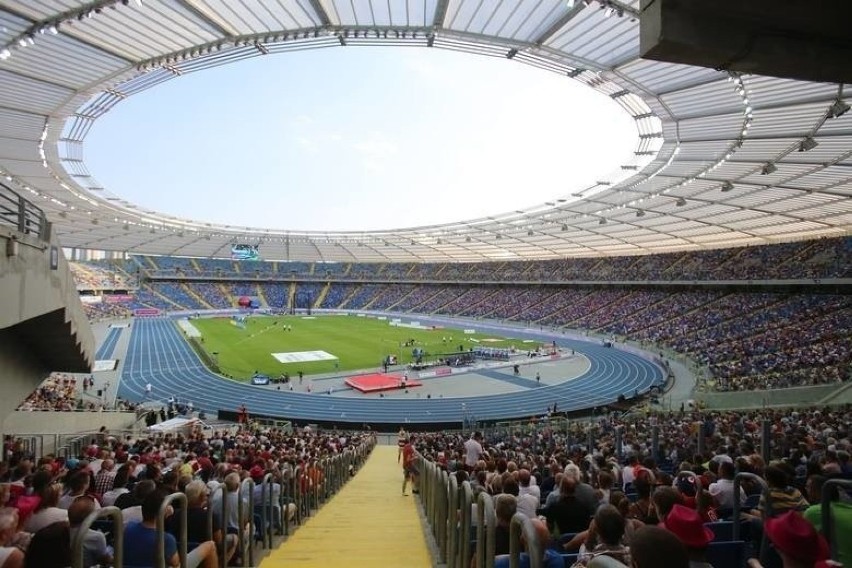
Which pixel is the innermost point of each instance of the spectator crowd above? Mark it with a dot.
(44, 501)
(599, 500)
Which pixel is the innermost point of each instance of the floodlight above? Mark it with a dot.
(838, 109)
(602, 221)
(807, 144)
(727, 186)
(768, 169)
(570, 4)
(640, 213)
(680, 202)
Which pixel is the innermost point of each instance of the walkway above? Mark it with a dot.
(369, 523)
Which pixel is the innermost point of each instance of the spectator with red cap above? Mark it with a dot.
(798, 543)
(688, 526)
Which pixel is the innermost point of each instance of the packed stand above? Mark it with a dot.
(61, 392)
(363, 296)
(815, 259)
(337, 295)
(106, 310)
(94, 277)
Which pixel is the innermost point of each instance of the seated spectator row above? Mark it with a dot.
(61, 392)
(706, 490)
(215, 496)
(815, 259)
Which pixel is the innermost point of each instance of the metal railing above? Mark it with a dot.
(522, 524)
(22, 215)
(449, 511)
(828, 528)
(767, 511)
(114, 514)
(486, 531)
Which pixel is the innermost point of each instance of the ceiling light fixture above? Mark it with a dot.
(727, 186)
(680, 202)
(838, 108)
(768, 169)
(807, 144)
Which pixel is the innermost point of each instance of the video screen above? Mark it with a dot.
(244, 252)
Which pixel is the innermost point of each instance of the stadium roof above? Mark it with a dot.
(721, 159)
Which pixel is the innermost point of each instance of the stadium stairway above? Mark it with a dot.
(258, 291)
(291, 296)
(368, 523)
(321, 297)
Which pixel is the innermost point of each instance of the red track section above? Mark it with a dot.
(379, 382)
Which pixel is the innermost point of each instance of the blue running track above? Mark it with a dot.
(107, 348)
(158, 354)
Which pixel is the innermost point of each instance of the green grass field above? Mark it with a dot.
(357, 342)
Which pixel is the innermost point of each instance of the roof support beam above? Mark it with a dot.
(321, 13)
(440, 13)
(559, 24)
(212, 19)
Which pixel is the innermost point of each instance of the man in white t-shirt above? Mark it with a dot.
(472, 451)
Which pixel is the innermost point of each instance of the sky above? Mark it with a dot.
(358, 138)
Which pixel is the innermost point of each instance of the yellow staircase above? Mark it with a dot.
(369, 523)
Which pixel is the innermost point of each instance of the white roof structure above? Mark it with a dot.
(717, 161)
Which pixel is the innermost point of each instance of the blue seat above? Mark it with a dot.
(569, 559)
(724, 530)
(728, 554)
(559, 542)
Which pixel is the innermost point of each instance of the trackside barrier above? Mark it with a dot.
(438, 503)
(452, 522)
(522, 524)
(464, 524)
(245, 514)
(828, 528)
(114, 513)
(767, 511)
(161, 530)
(443, 515)
(486, 527)
(223, 522)
(267, 511)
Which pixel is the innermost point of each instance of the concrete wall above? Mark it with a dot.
(29, 288)
(46, 429)
(43, 327)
